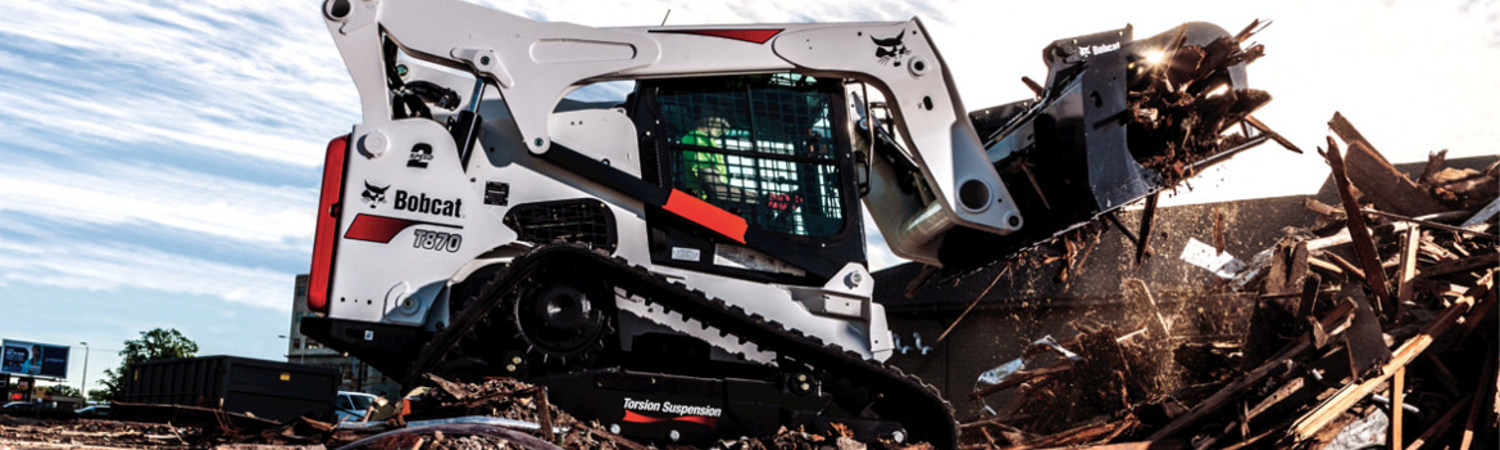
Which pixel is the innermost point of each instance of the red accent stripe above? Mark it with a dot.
(634, 417)
(700, 420)
(703, 213)
(756, 36)
(376, 228)
(326, 234)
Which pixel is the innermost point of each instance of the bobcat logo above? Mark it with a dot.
(374, 194)
(891, 50)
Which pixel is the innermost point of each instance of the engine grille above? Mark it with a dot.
(584, 221)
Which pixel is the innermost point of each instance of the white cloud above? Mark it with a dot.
(105, 266)
(277, 217)
(262, 80)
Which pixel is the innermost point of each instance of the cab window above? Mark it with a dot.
(760, 146)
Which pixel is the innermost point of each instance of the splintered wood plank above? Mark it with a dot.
(1408, 271)
(1398, 394)
(1367, 351)
(1345, 265)
(1219, 242)
(1311, 285)
(1148, 215)
(1364, 245)
(1460, 265)
(1331, 268)
(1430, 224)
(1377, 179)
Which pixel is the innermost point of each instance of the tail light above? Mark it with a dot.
(326, 239)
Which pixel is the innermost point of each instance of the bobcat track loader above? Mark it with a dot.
(689, 264)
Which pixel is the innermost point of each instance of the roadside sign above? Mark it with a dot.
(35, 359)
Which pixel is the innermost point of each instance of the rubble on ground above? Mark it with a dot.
(446, 415)
(1386, 313)
(20, 432)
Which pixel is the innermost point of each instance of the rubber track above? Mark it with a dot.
(904, 398)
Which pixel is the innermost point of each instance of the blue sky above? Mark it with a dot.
(162, 158)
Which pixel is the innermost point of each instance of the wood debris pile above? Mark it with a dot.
(1385, 316)
(1182, 104)
(31, 433)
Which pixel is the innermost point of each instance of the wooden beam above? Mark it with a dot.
(1481, 311)
(1398, 391)
(1364, 245)
(1311, 284)
(1408, 272)
(1429, 223)
(1368, 351)
(1486, 382)
(1148, 215)
(1129, 235)
(1219, 242)
(1437, 252)
(1322, 209)
(1331, 268)
(1486, 259)
(1308, 426)
(1272, 134)
(1377, 179)
(1345, 265)
(1342, 236)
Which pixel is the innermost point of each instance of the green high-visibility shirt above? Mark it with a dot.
(699, 163)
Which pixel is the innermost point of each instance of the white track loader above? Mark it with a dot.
(689, 264)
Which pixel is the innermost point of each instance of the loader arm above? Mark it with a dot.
(534, 64)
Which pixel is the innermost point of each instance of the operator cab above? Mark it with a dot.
(770, 148)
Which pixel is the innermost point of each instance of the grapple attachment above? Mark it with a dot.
(1116, 121)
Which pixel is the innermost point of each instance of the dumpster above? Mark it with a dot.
(266, 389)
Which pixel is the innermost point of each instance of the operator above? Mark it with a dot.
(705, 170)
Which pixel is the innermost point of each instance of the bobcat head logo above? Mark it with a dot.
(374, 194)
(891, 50)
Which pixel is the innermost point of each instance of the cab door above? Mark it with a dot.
(772, 149)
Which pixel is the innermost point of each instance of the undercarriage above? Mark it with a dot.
(526, 322)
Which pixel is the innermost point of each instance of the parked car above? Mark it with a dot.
(18, 408)
(35, 409)
(93, 411)
(351, 406)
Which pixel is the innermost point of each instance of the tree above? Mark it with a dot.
(153, 345)
(63, 390)
(99, 395)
